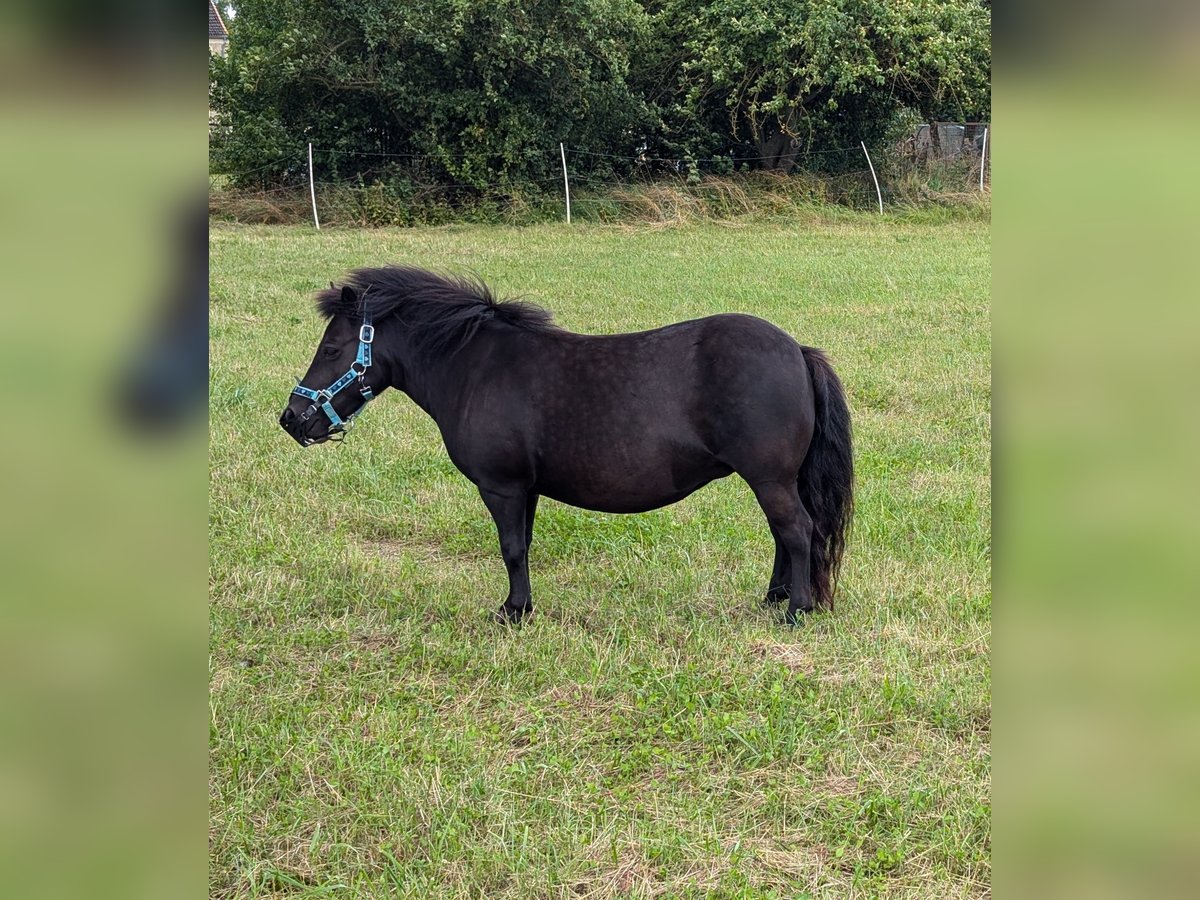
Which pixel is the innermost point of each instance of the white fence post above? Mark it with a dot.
(982, 158)
(873, 178)
(312, 190)
(566, 183)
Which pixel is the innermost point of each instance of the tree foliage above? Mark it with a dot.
(483, 88)
(782, 76)
(480, 92)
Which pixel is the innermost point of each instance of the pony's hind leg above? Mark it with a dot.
(781, 572)
(514, 525)
(792, 526)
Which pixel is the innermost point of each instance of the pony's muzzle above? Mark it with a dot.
(297, 426)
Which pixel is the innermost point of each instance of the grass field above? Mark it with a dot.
(655, 730)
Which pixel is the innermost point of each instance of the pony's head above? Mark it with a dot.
(343, 376)
(425, 319)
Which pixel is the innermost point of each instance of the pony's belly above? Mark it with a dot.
(629, 489)
(619, 504)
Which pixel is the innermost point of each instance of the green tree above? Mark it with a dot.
(785, 76)
(482, 90)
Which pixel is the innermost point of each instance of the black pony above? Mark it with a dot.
(618, 423)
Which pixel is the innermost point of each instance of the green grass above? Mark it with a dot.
(654, 731)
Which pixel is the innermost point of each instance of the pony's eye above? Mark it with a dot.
(330, 351)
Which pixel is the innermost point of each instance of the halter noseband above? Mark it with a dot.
(323, 400)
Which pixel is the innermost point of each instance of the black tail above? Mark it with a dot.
(826, 479)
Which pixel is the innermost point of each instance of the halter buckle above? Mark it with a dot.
(366, 334)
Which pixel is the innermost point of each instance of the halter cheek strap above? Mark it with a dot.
(323, 399)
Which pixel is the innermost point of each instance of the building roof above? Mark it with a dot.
(216, 25)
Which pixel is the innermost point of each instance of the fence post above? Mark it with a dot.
(566, 183)
(312, 190)
(982, 158)
(878, 195)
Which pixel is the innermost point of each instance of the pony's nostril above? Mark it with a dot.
(286, 418)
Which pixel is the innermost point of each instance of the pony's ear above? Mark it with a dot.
(349, 298)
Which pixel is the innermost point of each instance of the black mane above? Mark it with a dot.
(443, 312)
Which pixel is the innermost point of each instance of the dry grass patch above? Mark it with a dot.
(793, 656)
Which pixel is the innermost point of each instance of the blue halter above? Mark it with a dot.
(323, 400)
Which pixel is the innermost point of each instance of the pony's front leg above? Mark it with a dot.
(508, 510)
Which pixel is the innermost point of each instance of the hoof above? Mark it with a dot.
(795, 614)
(776, 595)
(509, 615)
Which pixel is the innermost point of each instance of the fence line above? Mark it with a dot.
(951, 161)
(295, 189)
(681, 160)
(441, 158)
(438, 156)
(275, 162)
(712, 159)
